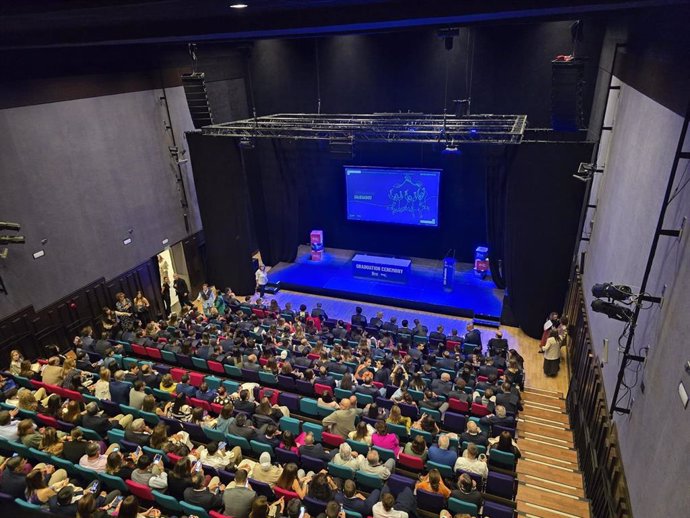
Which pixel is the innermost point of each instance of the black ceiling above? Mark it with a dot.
(38, 23)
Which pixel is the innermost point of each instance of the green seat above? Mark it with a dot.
(384, 453)
(167, 502)
(193, 510)
(231, 386)
(360, 447)
(88, 398)
(162, 395)
(469, 348)
(291, 424)
(126, 409)
(26, 505)
(24, 382)
(337, 376)
(260, 447)
(152, 452)
(398, 429)
(26, 414)
(40, 456)
(325, 411)
(444, 469)
(502, 459)
(199, 363)
(342, 393)
(232, 371)
(84, 473)
(236, 440)
(169, 356)
(480, 449)
(338, 471)
(364, 399)
(213, 382)
(150, 418)
(352, 514)
(368, 480)
(118, 359)
(419, 339)
(427, 436)
(116, 436)
(19, 448)
(308, 406)
(416, 394)
(112, 482)
(434, 414)
(460, 506)
(127, 362)
(268, 378)
(213, 435)
(316, 429)
(59, 462)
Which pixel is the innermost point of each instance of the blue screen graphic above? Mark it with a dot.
(393, 195)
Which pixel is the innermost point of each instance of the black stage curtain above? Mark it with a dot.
(543, 204)
(225, 209)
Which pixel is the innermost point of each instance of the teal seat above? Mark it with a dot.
(231, 386)
(126, 409)
(289, 423)
(19, 448)
(316, 429)
(150, 418)
(434, 414)
(502, 459)
(459, 506)
(232, 371)
(308, 406)
(352, 514)
(325, 411)
(480, 449)
(88, 398)
(364, 399)
(59, 462)
(152, 452)
(193, 510)
(118, 359)
(26, 414)
(268, 378)
(444, 469)
(86, 474)
(169, 356)
(427, 436)
(112, 482)
(360, 447)
(337, 376)
(338, 471)
(398, 429)
(368, 480)
(127, 362)
(162, 395)
(416, 394)
(341, 393)
(40, 456)
(469, 348)
(213, 382)
(384, 454)
(199, 363)
(260, 447)
(116, 436)
(26, 505)
(352, 366)
(24, 382)
(167, 502)
(419, 339)
(213, 435)
(236, 440)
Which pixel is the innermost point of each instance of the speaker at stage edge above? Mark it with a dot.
(197, 99)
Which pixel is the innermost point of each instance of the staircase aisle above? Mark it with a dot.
(550, 484)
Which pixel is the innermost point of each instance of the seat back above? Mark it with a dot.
(262, 489)
(316, 429)
(411, 462)
(267, 378)
(236, 440)
(320, 389)
(154, 352)
(304, 387)
(286, 456)
(331, 439)
(363, 399)
(312, 463)
(432, 502)
(260, 447)
(167, 502)
(454, 422)
(384, 453)
(460, 506)
(502, 459)
(177, 374)
(360, 447)
(169, 356)
(289, 423)
(478, 410)
(193, 510)
(140, 490)
(113, 482)
(368, 480)
(338, 471)
(444, 469)
(308, 406)
(398, 483)
(495, 510)
(458, 406)
(499, 484)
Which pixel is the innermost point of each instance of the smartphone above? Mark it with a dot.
(197, 466)
(116, 448)
(137, 452)
(157, 458)
(94, 486)
(15, 454)
(301, 512)
(221, 445)
(116, 501)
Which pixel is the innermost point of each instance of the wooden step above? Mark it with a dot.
(543, 392)
(552, 484)
(530, 445)
(544, 438)
(534, 497)
(545, 414)
(550, 401)
(547, 430)
(527, 510)
(566, 476)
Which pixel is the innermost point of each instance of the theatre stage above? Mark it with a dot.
(471, 296)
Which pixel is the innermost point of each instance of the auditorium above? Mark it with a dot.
(345, 258)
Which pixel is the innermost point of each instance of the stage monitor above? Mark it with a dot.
(393, 195)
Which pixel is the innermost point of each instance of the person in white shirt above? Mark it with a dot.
(472, 462)
(207, 298)
(219, 458)
(93, 459)
(261, 280)
(8, 426)
(388, 507)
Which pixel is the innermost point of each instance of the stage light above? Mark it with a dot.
(451, 150)
(17, 240)
(13, 227)
(246, 143)
(612, 310)
(238, 6)
(609, 291)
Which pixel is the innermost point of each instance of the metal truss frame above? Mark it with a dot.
(379, 127)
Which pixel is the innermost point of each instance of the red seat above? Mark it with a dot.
(196, 378)
(458, 406)
(315, 321)
(47, 420)
(481, 379)
(377, 384)
(173, 458)
(320, 389)
(287, 495)
(72, 394)
(216, 514)
(39, 384)
(274, 396)
(177, 374)
(411, 462)
(162, 340)
(200, 403)
(259, 312)
(139, 350)
(153, 352)
(452, 346)
(263, 361)
(479, 410)
(313, 356)
(216, 408)
(215, 366)
(140, 490)
(332, 439)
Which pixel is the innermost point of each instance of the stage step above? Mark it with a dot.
(539, 501)
(544, 400)
(548, 415)
(562, 475)
(486, 322)
(538, 449)
(543, 392)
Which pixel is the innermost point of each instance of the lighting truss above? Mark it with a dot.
(379, 127)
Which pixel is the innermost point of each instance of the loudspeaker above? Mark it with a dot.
(567, 91)
(197, 99)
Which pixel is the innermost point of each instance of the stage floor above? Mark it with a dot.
(471, 296)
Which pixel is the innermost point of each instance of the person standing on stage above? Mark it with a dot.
(165, 294)
(182, 290)
(261, 280)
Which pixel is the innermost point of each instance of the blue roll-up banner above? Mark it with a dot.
(448, 273)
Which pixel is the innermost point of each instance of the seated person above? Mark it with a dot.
(441, 454)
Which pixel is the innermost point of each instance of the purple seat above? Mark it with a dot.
(64, 427)
(161, 368)
(397, 483)
(314, 507)
(311, 464)
(495, 510)
(289, 400)
(477, 478)
(304, 387)
(496, 430)
(196, 434)
(410, 411)
(225, 476)
(112, 409)
(185, 361)
(454, 422)
(210, 470)
(384, 403)
(286, 456)
(432, 502)
(128, 446)
(174, 425)
(286, 383)
(4, 497)
(369, 420)
(262, 489)
(390, 390)
(250, 375)
(501, 485)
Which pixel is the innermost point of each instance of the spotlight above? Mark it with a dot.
(612, 310)
(13, 227)
(451, 149)
(246, 143)
(17, 240)
(609, 291)
(238, 6)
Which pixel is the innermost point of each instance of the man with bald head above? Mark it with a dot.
(442, 385)
(474, 434)
(342, 421)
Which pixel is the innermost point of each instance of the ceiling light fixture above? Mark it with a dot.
(238, 6)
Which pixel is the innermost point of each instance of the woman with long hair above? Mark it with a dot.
(38, 491)
(180, 478)
(433, 483)
(118, 466)
(417, 447)
(347, 382)
(159, 437)
(504, 442)
(225, 418)
(322, 487)
(290, 481)
(50, 442)
(101, 389)
(326, 400)
(362, 433)
(124, 311)
(396, 417)
(16, 360)
(288, 442)
(71, 413)
(178, 408)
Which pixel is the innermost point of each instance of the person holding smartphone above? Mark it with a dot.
(208, 497)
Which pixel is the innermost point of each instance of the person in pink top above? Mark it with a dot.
(384, 439)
